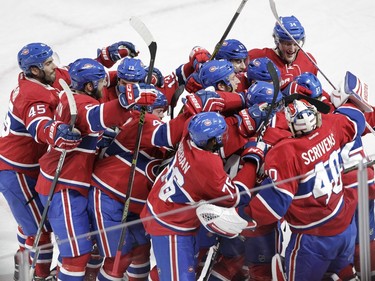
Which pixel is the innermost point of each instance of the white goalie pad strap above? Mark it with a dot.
(220, 220)
(278, 271)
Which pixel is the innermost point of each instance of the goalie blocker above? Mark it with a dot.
(223, 221)
(354, 90)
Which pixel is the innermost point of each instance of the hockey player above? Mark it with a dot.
(250, 256)
(28, 130)
(68, 215)
(307, 191)
(235, 52)
(109, 182)
(167, 216)
(286, 55)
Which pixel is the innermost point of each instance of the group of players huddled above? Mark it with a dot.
(249, 150)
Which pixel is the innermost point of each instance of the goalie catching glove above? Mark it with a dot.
(223, 221)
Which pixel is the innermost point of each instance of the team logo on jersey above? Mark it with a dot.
(213, 68)
(152, 169)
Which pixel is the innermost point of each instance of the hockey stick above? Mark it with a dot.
(276, 89)
(320, 106)
(143, 31)
(229, 27)
(73, 117)
(275, 14)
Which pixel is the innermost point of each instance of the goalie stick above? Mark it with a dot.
(146, 35)
(320, 106)
(228, 29)
(73, 117)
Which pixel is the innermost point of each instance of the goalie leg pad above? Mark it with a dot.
(278, 271)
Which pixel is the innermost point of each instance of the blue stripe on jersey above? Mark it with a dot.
(324, 220)
(19, 165)
(280, 201)
(17, 127)
(89, 142)
(95, 118)
(162, 136)
(167, 225)
(355, 115)
(69, 182)
(116, 192)
(116, 148)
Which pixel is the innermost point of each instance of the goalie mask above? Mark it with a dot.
(302, 117)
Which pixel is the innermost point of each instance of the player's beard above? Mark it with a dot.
(48, 79)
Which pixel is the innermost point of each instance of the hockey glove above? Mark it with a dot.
(255, 152)
(157, 77)
(250, 119)
(111, 54)
(203, 101)
(141, 94)
(338, 96)
(294, 88)
(193, 84)
(60, 136)
(197, 57)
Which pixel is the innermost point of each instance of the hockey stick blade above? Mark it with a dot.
(71, 102)
(228, 29)
(320, 106)
(146, 35)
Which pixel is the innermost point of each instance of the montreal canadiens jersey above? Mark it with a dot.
(92, 119)
(306, 171)
(31, 106)
(194, 175)
(111, 174)
(288, 72)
